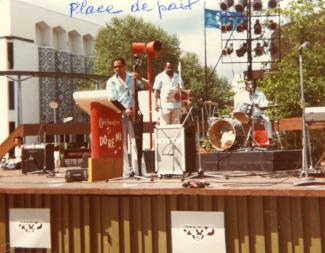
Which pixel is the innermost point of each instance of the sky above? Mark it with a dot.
(187, 24)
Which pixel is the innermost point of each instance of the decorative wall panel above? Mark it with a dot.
(64, 87)
(47, 85)
(78, 66)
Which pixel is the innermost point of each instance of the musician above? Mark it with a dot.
(15, 163)
(253, 96)
(120, 88)
(170, 112)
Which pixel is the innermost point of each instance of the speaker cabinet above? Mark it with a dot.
(175, 150)
(38, 157)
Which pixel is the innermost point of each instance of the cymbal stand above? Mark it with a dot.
(276, 121)
(249, 142)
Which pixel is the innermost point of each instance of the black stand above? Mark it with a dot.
(307, 169)
(132, 174)
(44, 170)
(200, 172)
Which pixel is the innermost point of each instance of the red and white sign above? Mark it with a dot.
(106, 132)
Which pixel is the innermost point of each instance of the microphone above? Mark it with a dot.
(306, 44)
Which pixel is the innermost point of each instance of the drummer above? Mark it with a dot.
(252, 96)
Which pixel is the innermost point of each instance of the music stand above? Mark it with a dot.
(44, 170)
(200, 172)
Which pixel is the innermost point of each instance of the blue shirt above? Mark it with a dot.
(164, 84)
(122, 91)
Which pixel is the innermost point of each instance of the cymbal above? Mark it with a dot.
(268, 107)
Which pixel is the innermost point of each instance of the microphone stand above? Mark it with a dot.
(200, 172)
(44, 170)
(305, 169)
(250, 135)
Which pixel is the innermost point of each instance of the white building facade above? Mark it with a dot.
(37, 39)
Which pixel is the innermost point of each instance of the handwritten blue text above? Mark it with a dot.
(85, 8)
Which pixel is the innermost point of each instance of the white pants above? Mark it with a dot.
(169, 116)
(128, 166)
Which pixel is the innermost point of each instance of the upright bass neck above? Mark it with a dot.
(135, 97)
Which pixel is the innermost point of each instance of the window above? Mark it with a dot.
(10, 50)
(12, 126)
(11, 95)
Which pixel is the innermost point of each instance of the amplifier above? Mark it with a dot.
(315, 114)
(76, 175)
(175, 150)
(35, 155)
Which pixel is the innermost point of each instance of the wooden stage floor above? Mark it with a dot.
(252, 183)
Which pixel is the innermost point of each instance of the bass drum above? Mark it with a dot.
(226, 134)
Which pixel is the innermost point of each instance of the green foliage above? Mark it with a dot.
(115, 40)
(283, 86)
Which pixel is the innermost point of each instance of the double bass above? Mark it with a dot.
(137, 117)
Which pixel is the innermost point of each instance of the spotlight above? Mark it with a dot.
(153, 48)
(226, 27)
(241, 27)
(225, 4)
(257, 5)
(240, 6)
(257, 27)
(272, 4)
(242, 50)
(272, 25)
(228, 50)
(259, 50)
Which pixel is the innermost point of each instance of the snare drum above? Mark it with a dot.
(226, 134)
(244, 112)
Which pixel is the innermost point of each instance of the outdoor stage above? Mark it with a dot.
(264, 211)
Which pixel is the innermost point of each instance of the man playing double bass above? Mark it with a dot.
(121, 88)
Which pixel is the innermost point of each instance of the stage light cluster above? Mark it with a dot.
(249, 16)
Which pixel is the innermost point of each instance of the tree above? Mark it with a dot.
(116, 38)
(283, 85)
(219, 90)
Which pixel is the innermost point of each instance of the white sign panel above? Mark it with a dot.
(29, 228)
(195, 232)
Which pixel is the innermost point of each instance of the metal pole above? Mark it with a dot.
(249, 42)
(54, 120)
(149, 61)
(20, 107)
(304, 136)
(205, 61)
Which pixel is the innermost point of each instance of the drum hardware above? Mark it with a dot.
(277, 123)
(211, 108)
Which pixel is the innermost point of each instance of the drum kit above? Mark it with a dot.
(230, 132)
